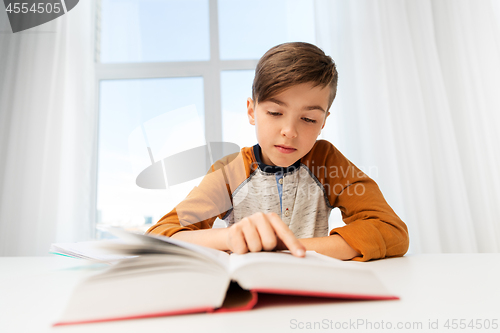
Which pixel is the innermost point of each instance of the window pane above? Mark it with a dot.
(154, 30)
(248, 28)
(163, 114)
(236, 87)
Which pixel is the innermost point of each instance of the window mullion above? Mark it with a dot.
(212, 89)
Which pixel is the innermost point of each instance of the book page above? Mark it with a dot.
(315, 274)
(162, 244)
(284, 257)
(91, 250)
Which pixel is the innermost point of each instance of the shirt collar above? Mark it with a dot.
(272, 168)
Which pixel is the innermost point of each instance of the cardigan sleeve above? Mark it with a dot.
(206, 202)
(211, 199)
(372, 227)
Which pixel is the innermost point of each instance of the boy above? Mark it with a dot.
(279, 193)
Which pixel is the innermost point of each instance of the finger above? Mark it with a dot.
(287, 236)
(268, 237)
(251, 235)
(236, 240)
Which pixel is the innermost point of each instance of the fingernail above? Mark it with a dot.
(300, 252)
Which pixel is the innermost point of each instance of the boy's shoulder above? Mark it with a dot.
(243, 157)
(323, 144)
(321, 149)
(325, 154)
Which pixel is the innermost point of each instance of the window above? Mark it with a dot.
(137, 118)
(174, 75)
(154, 31)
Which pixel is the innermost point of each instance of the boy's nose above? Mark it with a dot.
(289, 131)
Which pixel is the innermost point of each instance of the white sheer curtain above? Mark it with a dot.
(47, 133)
(418, 107)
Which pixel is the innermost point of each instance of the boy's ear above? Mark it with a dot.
(250, 111)
(324, 122)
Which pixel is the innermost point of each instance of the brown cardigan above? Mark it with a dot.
(239, 185)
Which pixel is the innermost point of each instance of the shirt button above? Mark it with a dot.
(287, 213)
(280, 181)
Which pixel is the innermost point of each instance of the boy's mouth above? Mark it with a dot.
(285, 149)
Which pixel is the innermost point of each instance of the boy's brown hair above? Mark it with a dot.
(289, 64)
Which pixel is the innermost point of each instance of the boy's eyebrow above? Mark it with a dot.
(310, 107)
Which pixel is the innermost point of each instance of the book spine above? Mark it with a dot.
(248, 306)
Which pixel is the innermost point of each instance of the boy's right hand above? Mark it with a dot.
(262, 232)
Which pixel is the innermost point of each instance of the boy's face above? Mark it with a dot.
(288, 124)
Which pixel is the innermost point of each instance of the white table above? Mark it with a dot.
(433, 287)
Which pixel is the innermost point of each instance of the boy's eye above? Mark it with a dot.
(275, 114)
(309, 120)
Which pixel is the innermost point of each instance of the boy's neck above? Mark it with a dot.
(257, 151)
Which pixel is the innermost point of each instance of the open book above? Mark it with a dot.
(166, 276)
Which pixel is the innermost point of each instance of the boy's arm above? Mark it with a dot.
(198, 211)
(333, 246)
(254, 233)
(213, 238)
(373, 230)
(169, 225)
